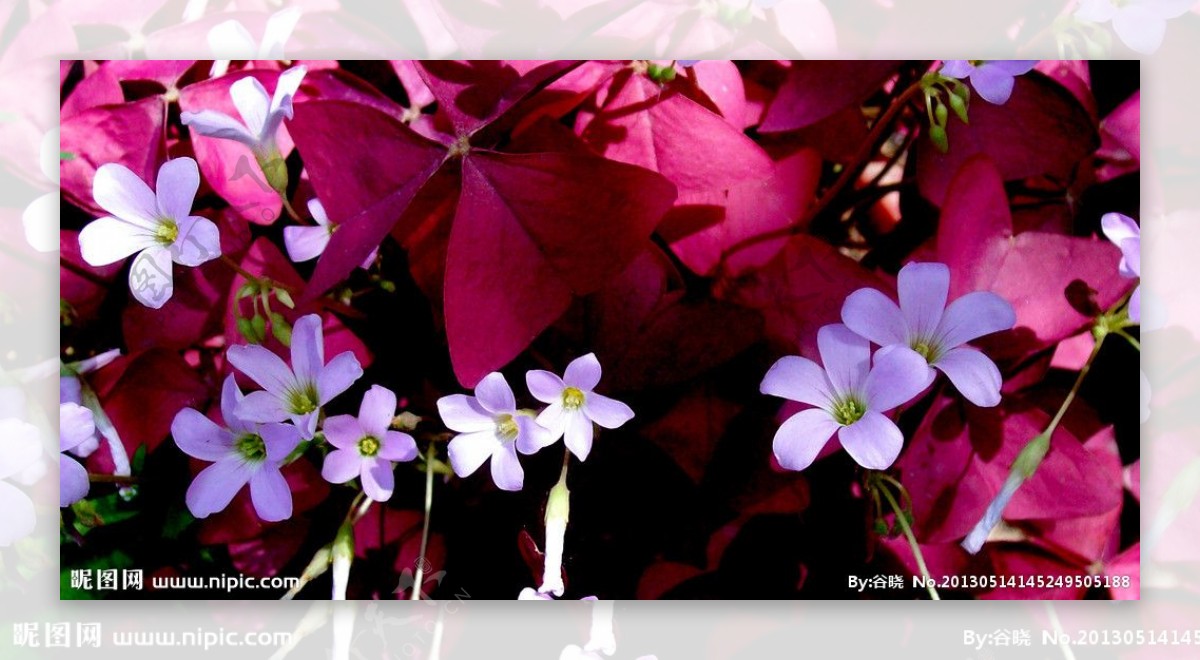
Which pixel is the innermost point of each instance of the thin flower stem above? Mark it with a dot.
(912, 543)
(287, 207)
(1083, 371)
(237, 268)
(1129, 338)
(562, 477)
(419, 580)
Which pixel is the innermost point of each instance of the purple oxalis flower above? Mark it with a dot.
(366, 447)
(297, 392)
(305, 243)
(924, 323)
(1127, 235)
(574, 406)
(490, 425)
(1141, 24)
(849, 396)
(158, 226)
(242, 452)
(261, 113)
(76, 425)
(993, 79)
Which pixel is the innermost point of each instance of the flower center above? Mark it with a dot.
(927, 349)
(368, 446)
(166, 232)
(572, 398)
(848, 410)
(302, 401)
(251, 447)
(506, 428)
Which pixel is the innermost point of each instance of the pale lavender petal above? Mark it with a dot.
(1013, 67)
(308, 350)
(873, 315)
(606, 412)
(262, 407)
(797, 379)
(583, 372)
(198, 242)
(307, 424)
(17, 517)
(76, 425)
(494, 394)
(218, 125)
(972, 316)
(544, 386)
(873, 441)
(213, 489)
(275, 35)
(108, 240)
(469, 450)
(398, 447)
(529, 594)
(341, 465)
(200, 437)
(532, 436)
(1135, 305)
(252, 103)
(231, 396)
(338, 376)
(847, 357)
(377, 410)
(956, 68)
(463, 413)
(801, 438)
(151, 280)
(20, 446)
(281, 103)
(122, 193)
(898, 375)
(923, 288)
(377, 479)
(993, 84)
(1131, 257)
(317, 210)
(271, 495)
(506, 468)
(554, 419)
(982, 529)
(178, 181)
(280, 440)
(975, 376)
(304, 243)
(263, 367)
(1140, 28)
(578, 434)
(72, 481)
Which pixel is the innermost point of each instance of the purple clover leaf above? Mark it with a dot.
(937, 332)
(242, 452)
(849, 396)
(365, 445)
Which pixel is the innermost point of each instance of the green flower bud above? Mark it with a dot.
(937, 135)
(940, 113)
(274, 169)
(960, 107)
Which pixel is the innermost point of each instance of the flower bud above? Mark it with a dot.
(959, 106)
(558, 508)
(937, 135)
(274, 170)
(343, 556)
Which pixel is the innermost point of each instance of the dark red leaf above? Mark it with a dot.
(816, 89)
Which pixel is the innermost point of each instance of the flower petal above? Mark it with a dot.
(463, 413)
(72, 481)
(801, 438)
(469, 450)
(271, 495)
(975, 376)
(494, 394)
(531, 436)
(956, 68)
(122, 193)
(993, 84)
(874, 441)
(898, 375)
(198, 242)
(583, 372)
(262, 407)
(606, 412)
(108, 240)
(923, 288)
(150, 278)
(252, 103)
(281, 103)
(200, 437)
(553, 418)
(397, 447)
(1013, 67)
(231, 396)
(1140, 28)
(341, 465)
(847, 358)
(175, 190)
(873, 315)
(377, 410)
(17, 517)
(506, 468)
(544, 386)
(218, 125)
(20, 446)
(308, 349)
(275, 35)
(304, 243)
(972, 316)
(1135, 305)
(280, 440)
(76, 425)
(262, 366)
(338, 376)
(378, 482)
(213, 489)
(797, 379)
(343, 431)
(317, 210)
(578, 434)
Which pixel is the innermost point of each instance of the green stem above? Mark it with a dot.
(912, 542)
(287, 206)
(419, 580)
(1083, 371)
(1129, 338)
